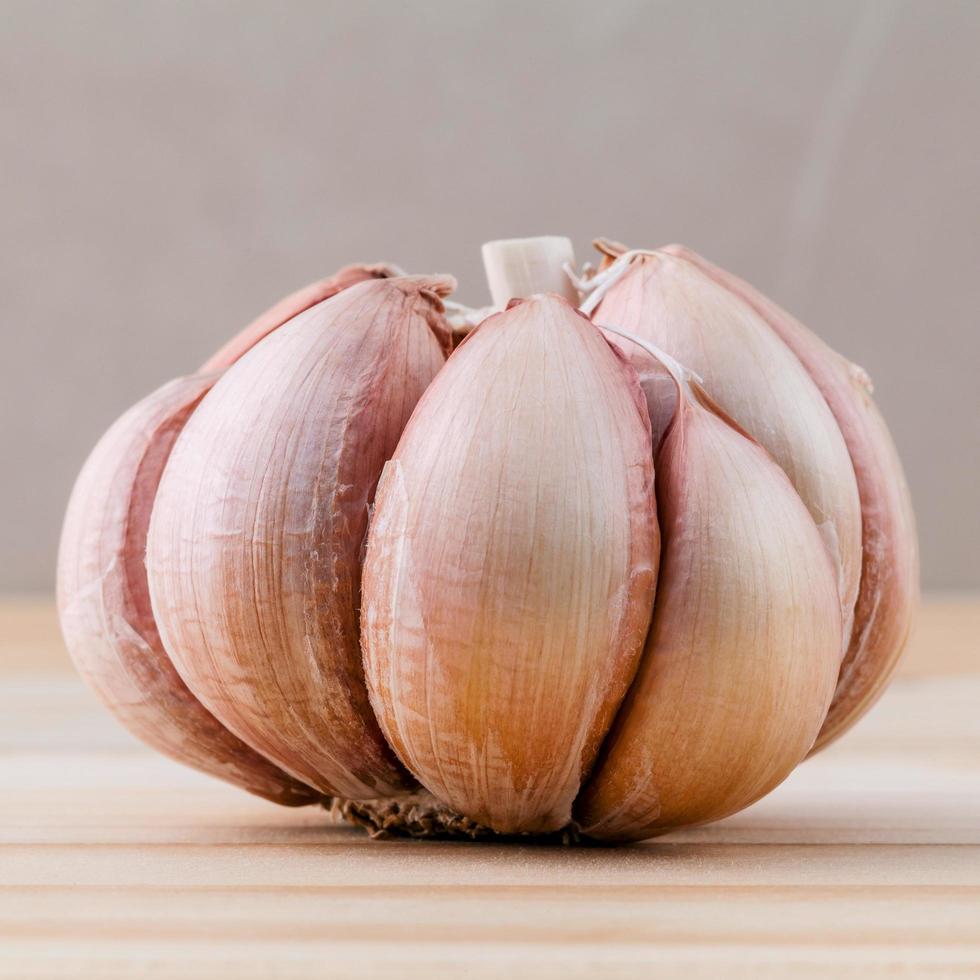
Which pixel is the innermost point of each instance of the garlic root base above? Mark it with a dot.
(421, 816)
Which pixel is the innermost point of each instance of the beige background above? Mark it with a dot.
(171, 168)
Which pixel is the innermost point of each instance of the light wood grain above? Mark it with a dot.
(945, 640)
(115, 862)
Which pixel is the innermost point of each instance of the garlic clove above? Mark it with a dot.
(890, 570)
(255, 541)
(511, 567)
(292, 305)
(743, 651)
(754, 378)
(104, 603)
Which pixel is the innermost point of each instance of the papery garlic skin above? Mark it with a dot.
(255, 542)
(889, 590)
(104, 602)
(292, 305)
(744, 647)
(753, 377)
(511, 567)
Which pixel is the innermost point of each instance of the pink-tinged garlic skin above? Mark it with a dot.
(744, 648)
(756, 379)
(257, 531)
(889, 590)
(290, 306)
(511, 567)
(104, 602)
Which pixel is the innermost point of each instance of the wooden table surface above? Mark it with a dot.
(115, 862)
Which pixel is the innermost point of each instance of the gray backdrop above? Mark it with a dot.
(171, 168)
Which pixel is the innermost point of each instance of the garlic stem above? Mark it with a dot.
(520, 267)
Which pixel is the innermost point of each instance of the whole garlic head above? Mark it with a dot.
(606, 572)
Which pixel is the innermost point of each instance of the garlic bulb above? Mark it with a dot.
(754, 377)
(511, 566)
(425, 592)
(253, 554)
(890, 562)
(103, 596)
(743, 653)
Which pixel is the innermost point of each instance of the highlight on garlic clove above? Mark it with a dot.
(254, 547)
(890, 568)
(104, 603)
(744, 648)
(511, 566)
(752, 375)
(515, 268)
